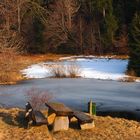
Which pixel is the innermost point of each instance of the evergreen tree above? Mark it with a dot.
(134, 44)
(38, 36)
(108, 26)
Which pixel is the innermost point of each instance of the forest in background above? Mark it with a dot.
(72, 27)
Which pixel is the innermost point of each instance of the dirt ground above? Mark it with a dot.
(12, 127)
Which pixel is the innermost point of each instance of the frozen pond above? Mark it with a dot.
(109, 95)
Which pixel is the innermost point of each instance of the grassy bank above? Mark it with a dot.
(10, 74)
(107, 128)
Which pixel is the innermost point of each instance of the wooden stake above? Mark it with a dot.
(90, 107)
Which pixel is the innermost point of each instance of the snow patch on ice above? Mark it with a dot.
(90, 67)
(138, 80)
(36, 71)
(112, 69)
(84, 57)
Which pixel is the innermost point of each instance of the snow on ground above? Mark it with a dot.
(90, 67)
(83, 56)
(138, 80)
(112, 69)
(36, 71)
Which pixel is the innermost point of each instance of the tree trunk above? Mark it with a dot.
(81, 34)
(104, 12)
(8, 24)
(19, 18)
(69, 12)
(63, 20)
(69, 20)
(100, 44)
(92, 39)
(7, 17)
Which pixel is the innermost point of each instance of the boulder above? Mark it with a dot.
(61, 123)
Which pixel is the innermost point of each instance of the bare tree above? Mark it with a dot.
(121, 43)
(60, 22)
(12, 14)
(9, 51)
(38, 98)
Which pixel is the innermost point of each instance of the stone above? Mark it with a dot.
(87, 126)
(51, 118)
(61, 123)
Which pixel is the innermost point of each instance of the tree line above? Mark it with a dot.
(73, 27)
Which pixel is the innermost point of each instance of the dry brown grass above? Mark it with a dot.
(131, 73)
(58, 71)
(12, 64)
(10, 48)
(117, 56)
(12, 127)
(8, 64)
(128, 79)
(73, 70)
(31, 59)
(65, 71)
(106, 128)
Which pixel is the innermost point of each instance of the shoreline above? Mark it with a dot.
(40, 58)
(120, 114)
(34, 59)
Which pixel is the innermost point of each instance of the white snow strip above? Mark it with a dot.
(138, 80)
(83, 56)
(36, 71)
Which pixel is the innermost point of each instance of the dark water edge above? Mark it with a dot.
(121, 114)
(114, 114)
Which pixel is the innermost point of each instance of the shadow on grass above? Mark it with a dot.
(18, 120)
(7, 118)
(74, 125)
(122, 114)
